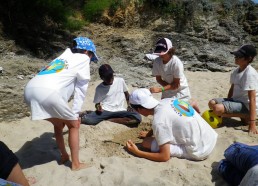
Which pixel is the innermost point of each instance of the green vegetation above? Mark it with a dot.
(72, 15)
(94, 8)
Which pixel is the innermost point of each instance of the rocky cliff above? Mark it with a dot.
(202, 31)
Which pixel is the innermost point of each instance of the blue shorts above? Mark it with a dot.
(7, 161)
(232, 106)
(93, 118)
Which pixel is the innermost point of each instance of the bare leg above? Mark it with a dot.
(17, 176)
(195, 105)
(58, 128)
(74, 126)
(73, 139)
(211, 104)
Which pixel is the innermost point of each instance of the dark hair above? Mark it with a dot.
(250, 58)
(76, 50)
(172, 51)
(136, 107)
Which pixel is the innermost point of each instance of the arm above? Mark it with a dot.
(173, 86)
(79, 95)
(252, 108)
(129, 108)
(127, 98)
(161, 156)
(230, 92)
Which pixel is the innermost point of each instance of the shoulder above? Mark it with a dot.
(176, 60)
(251, 69)
(119, 79)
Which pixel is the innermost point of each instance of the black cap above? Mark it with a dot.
(105, 70)
(245, 51)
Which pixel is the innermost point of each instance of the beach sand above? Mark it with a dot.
(102, 147)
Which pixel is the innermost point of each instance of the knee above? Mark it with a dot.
(218, 109)
(211, 103)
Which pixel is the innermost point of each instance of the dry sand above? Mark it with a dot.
(102, 146)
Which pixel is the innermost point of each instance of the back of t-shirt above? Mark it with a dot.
(176, 122)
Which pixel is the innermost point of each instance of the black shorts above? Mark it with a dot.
(7, 161)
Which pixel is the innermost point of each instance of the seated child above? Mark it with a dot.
(109, 99)
(242, 99)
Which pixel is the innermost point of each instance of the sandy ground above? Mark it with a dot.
(102, 147)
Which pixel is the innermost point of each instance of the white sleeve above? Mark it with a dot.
(125, 88)
(179, 68)
(79, 95)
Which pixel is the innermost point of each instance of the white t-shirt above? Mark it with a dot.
(173, 69)
(172, 124)
(68, 73)
(243, 82)
(111, 97)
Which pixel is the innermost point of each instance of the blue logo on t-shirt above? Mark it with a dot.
(183, 108)
(53, 67)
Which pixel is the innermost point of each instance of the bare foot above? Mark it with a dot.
(81, 166)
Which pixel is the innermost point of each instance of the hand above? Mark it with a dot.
(143, 134)
(131, 146)
(154, 89)
(98, 109)
(252, 129)
(130, 109)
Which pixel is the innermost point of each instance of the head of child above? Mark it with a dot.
(142, 101)
(164, 48)
(106, 73)
(245, 52)
(84, 45)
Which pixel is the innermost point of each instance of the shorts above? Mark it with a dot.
(7, 161)
(232, 106)
(178, 151)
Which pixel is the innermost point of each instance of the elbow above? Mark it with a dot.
(165, 158)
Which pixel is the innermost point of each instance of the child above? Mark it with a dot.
(169, 72)
(48, 93)
(179, 131)
(242, 100)
(109, 99)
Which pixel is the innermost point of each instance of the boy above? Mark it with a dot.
(109, 99)
(179, 131)
(242, 97)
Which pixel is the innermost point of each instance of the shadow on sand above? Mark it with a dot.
(39, 151)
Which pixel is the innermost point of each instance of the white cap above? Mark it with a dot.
(163, 46)
(144, 98)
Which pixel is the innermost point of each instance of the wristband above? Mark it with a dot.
(162, 89)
